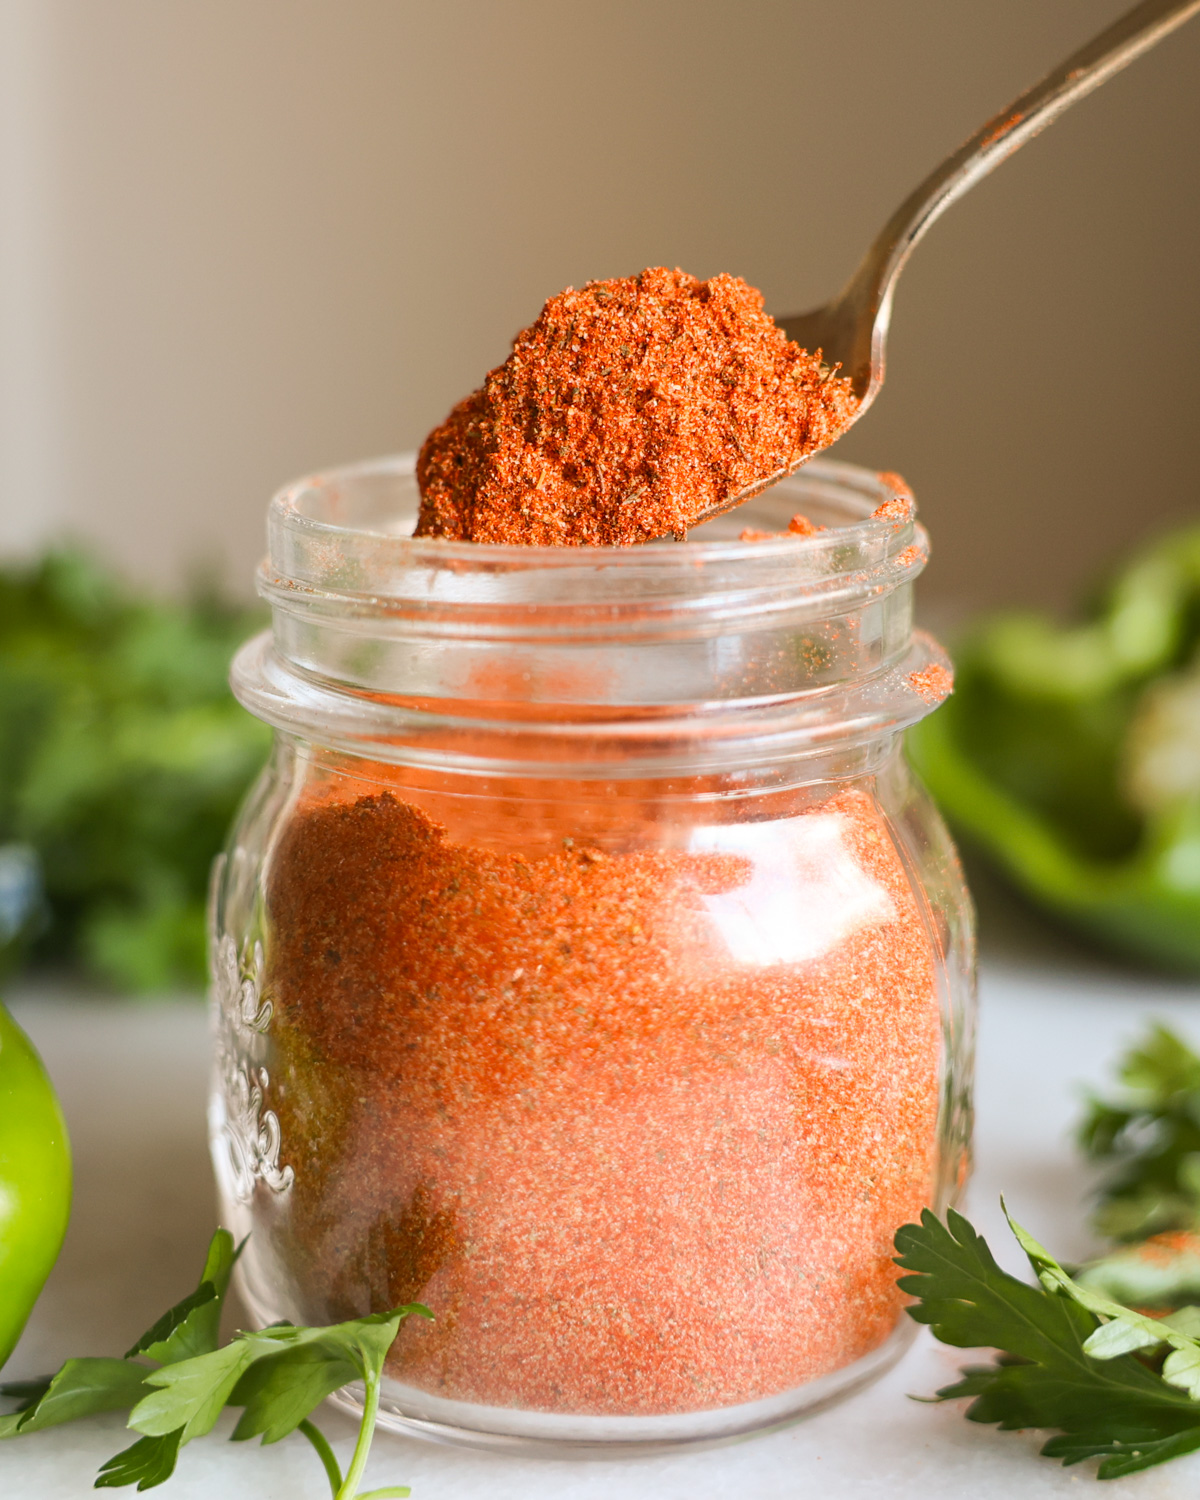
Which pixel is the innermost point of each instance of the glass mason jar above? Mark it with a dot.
(588, 965)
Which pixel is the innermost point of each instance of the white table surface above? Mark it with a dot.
(132, 1078)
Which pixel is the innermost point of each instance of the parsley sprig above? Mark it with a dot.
(1150, 1139)
(1117, 1385)
(278, 1376)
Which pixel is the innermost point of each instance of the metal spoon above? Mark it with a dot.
(852, 330)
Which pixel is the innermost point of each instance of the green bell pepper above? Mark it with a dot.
(35, 1180)
(1071, 756)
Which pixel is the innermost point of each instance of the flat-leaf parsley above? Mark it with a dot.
(1065, 1359)
(278, 1376)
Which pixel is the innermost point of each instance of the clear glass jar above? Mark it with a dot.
(588, 965)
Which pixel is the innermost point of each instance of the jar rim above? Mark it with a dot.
(341, 550)
(717, 649)
(876, 488)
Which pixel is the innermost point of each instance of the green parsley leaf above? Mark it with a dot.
(85, 1386)
(26, 1392)
(81, 1387)
(280, 1391)
(148, 1462)
(1151, 1139)
(192, 1392)
(1123, 1454)
(278, 1375)
(1184, 1320)
(1116, 1408)
(1122, 1330)
(192, 1326)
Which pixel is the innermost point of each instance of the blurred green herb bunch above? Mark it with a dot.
(123, 757)
(1071, 755)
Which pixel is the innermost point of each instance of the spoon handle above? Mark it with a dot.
(868, 297)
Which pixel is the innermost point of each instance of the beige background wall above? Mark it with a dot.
(243, 238)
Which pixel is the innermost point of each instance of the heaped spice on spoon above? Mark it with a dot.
(629, 410)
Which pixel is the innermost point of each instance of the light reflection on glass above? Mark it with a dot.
(807, 893)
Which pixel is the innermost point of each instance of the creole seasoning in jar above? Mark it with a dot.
(589, 967)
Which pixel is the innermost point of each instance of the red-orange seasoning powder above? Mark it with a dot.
(933, 683)
(900, 505)
(638, 1126)
(798, 526)
(626, 412)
